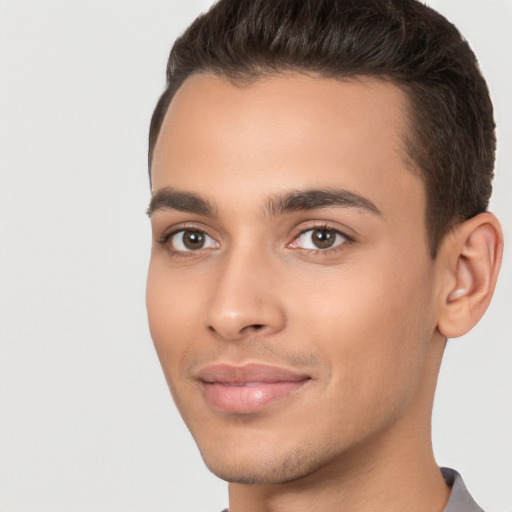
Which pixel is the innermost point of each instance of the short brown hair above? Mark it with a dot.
(452, 131)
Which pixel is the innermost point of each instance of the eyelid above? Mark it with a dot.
(183, 226)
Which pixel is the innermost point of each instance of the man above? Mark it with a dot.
(320, 175)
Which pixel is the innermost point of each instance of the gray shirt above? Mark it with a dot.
(460, 499)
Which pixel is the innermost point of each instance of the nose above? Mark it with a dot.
(246, 299)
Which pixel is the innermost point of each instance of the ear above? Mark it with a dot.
(470, 259)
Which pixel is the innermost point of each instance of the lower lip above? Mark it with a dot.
(245, 398)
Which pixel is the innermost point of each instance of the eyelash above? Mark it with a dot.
(328, 251)
(164, 240)
(166, 237)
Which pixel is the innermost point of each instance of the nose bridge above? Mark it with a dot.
(245, 301)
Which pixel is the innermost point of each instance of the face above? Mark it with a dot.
(290, 289)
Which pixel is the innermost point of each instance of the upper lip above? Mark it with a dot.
(252, 372)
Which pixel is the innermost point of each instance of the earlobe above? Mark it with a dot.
(472, 253)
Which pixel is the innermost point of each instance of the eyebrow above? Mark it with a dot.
(319, 198)
(170, 199)
(293, 201)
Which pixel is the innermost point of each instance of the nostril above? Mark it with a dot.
(247, 328)
(257, 327)
(252, 328)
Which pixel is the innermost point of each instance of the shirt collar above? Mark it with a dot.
(460, 499)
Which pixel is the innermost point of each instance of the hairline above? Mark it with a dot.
(253, 75)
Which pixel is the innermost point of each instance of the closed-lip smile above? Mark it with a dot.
(248, 388)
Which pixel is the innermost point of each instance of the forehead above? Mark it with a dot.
(287, 131)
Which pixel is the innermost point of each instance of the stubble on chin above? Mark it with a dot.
(276, 469)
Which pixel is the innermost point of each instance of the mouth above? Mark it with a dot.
(249, 388)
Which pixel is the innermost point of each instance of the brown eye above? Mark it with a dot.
(188, 240)
(319, 239)
(193, 240)
(323, 238)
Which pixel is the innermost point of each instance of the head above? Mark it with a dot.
(320, 174)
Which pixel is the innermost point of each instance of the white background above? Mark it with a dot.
(86, 421)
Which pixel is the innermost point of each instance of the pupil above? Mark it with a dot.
(193, 239)
(323, 239)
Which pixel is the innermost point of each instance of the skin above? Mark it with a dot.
(360, 318)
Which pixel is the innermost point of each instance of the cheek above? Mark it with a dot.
(373, 328)
(173, 313)
(174, 317)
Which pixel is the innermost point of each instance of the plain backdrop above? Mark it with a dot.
(86, 421)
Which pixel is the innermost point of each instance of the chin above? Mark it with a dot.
(264, 465)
